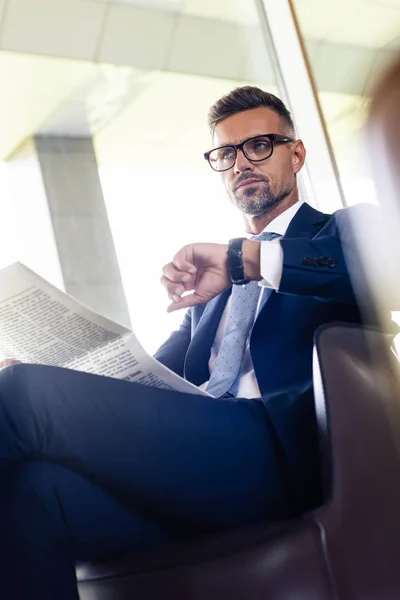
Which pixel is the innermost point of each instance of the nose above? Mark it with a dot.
(242, 163)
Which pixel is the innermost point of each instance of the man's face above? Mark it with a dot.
(257, 187)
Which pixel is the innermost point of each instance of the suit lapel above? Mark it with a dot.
(198, 354)
(305, 223)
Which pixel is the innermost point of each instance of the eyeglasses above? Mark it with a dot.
(255, 149)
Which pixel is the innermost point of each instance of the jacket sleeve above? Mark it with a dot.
(325, 266)
(173, 351)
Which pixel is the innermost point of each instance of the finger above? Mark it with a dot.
(186, 302)
(171, 272)
(174, 290)
(184, 265)
(171, 286)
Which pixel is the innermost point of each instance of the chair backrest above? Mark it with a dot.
(358, 413)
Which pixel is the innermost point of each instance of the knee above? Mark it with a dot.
(14, 383)
(17, 399)
(16, 378)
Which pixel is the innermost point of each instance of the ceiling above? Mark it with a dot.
(365, 23)
(36, 86)
(218, 45)
(368, 23)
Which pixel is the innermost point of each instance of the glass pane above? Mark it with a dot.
(348, 44)
(160, 192)
(132, 80)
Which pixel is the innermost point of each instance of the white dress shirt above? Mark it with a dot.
(271, 265)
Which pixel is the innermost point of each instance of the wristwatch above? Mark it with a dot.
(235, 262)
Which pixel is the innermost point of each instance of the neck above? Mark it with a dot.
(256, 225)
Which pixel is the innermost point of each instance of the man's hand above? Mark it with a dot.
(197, 268)
(8, 361)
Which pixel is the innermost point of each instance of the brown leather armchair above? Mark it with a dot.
(349, 549)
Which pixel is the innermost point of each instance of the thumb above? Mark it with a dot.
(9, 361)
(186, 302)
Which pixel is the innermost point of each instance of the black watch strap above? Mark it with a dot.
(235, 262)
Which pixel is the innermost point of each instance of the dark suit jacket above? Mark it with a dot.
(315, 289)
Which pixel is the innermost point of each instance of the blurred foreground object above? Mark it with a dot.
(384, 137)
(379, 234)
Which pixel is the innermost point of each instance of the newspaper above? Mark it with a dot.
(41, 324)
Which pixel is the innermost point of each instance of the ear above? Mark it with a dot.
(298, 156)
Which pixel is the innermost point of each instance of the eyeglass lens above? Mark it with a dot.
(255, 149)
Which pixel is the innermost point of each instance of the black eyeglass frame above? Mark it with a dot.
(273, 138)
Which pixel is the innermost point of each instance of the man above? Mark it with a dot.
(92, 467)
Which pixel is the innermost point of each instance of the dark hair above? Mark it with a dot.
(245, 98)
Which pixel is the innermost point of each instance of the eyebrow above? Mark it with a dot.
(240, 141)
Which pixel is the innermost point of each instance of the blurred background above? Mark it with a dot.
(103, 109)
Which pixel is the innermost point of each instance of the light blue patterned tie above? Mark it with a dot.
(244, 300)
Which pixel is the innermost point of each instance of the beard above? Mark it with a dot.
(259, 200)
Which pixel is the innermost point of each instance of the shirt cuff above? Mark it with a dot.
(271, 264)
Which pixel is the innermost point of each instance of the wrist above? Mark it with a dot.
(251, 259)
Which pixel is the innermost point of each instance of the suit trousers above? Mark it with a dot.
(92, 467)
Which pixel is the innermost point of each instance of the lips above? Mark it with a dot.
(247, 182)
